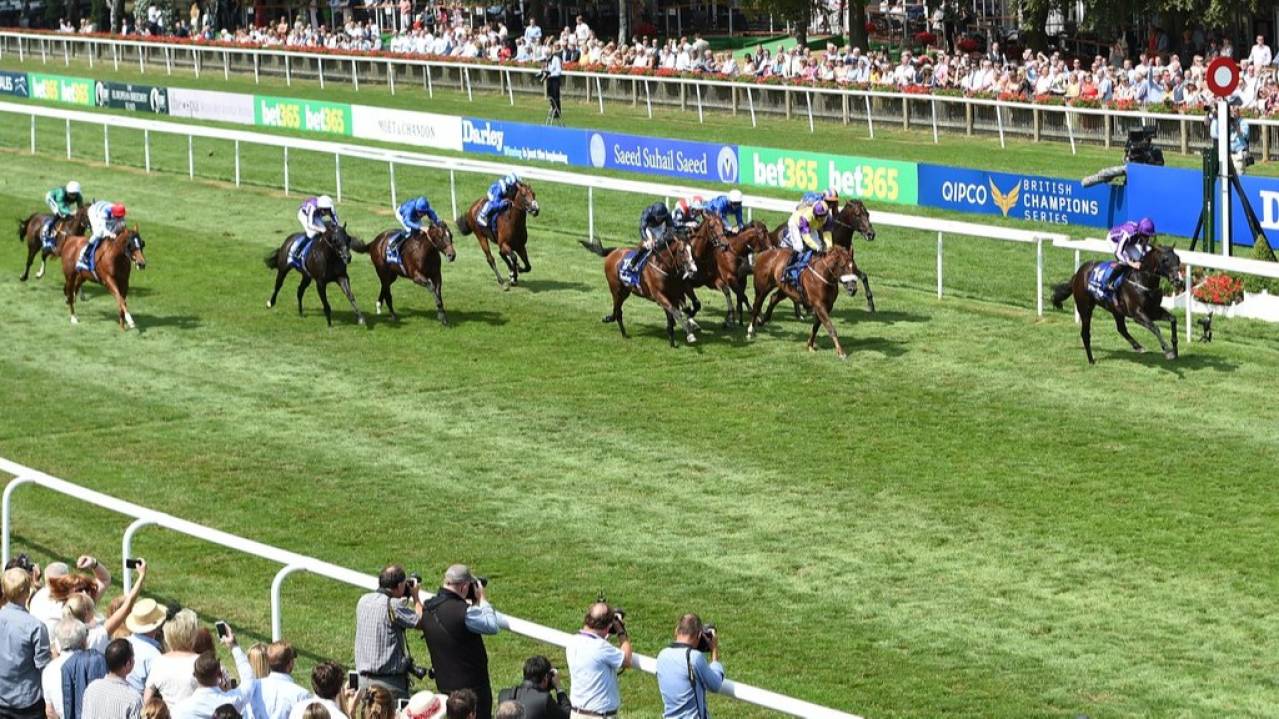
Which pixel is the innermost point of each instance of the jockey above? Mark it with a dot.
(656, 228)
(688, 212)
(725, 205)
(59, 200)
(106, 220)
(500, 194)
(410, 215)
(1132, 241)
(314, 214)
(830, 196)
(805, 233)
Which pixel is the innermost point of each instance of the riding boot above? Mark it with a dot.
(46, 233)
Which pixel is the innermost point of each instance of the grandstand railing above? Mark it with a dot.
(948, 113)
(293, 562)
(454, 165)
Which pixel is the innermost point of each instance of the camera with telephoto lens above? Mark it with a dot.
(470, 592)
(1140, 147)
(420, 672)
(23, 562)
(541, 75)
(414, 579)
(707, 638)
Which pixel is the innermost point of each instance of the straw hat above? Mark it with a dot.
(146, 617)
(425, 705)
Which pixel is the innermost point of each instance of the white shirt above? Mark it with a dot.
(280, 694)
(45, 609)
(1260, 55)
(583, 33)
(51, 682)
(173, 675)
(335, 711)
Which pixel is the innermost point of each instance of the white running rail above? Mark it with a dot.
(293, 562)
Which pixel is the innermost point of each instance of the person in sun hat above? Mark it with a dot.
(425, 705)
(144, 624)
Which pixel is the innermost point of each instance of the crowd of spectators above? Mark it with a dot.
(61, 659)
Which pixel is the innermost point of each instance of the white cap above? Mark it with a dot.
(324, 202)
(735, 197)
(73, 187)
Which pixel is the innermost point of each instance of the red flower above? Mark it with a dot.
(1220, 289)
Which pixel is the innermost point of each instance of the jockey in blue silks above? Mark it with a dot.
(500, 194)
(830, 197)
(656, 228)
(725, 206)
(410, 215)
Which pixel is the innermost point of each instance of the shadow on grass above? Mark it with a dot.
(1194, 361)
(885, 317)
(182, 322)
(415, 318)
(554, 286)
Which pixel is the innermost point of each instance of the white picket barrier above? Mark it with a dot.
(293, 562)
(484, 167)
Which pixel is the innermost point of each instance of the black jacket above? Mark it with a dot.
(457, 653)
(538, 704)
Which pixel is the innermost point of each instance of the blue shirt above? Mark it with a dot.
(680, 698)
(593, 665)
(24, 651)
(722, 207)
(81, 670)
(410, 215)
(499, 188)
(145, 650)
(481, 618)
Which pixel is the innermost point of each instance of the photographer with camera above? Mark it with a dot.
(535, 693)
(683, 673)
(553, 74)
(381, 618)
(594, 663)
(456, 619)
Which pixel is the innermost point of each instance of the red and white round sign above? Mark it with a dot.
(1222, 77)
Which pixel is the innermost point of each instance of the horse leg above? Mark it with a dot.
(69, 290)
(1122, 326)
(870, 297)
(305, 283)
(279, 282)
(522, 251)
(773, 301)
(345, 283)
(31, 256)
(433, 284)
(488, 255)
(44, 257)
(729, 316)
(1085, 327)
(1148, 323)
(126, 320)
(620, 293)
(755, 321)
(513, 271)
(670, 327)
(321, 289)
(686, 320)
(822, 316)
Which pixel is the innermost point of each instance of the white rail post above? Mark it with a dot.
(453, 190)
(115, 58)
(590, 213)
(106, 144)
(126, 551)
(750, 100)
(168, 61)
(319, 67)
(999, 118)
(288, 72)
(1039, 276)
(33, 134)
(146, 150)
(698, 88)
(256, 79)
(226, 65)
(277, 623)
(44, 52)
(355, 77)
(286, 170)
(466, 74)
(190, 157)
(430, 86)
(337, 173)
(510, 86)
(939, 243)
(809, 97)
(21, 58)
(1070, 131)
(237, 160)
(390, 166)
(648, 100)
(934, 104)
(92, 51)
(195, 61)
(142, 51)
(390, 76)
(68, 138)
(1190, 299)
(599, 93)
(66, 56)
(8, 506)
(870, 122)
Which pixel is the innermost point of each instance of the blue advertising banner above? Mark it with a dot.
(657, 156)
(1173, 198)
(1024, 197)
(13, 83)
(520, 141)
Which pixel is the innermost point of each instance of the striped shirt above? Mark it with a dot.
(111, 698)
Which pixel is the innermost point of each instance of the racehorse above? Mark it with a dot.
(851, 219)
(819, 286)
(508, 229)
(718, 261)
(419, 262)
(325, 262)
(1138, 297)
(663, 280)
(114, 259)
(29, 231)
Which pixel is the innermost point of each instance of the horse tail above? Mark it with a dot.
(1061, 292)
(464, 223)
(358, 246)
(22, 228)
(273, 260)
(597, 248)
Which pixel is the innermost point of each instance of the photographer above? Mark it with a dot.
(683, 673)
(553, 73)
(594, 664)
(381, 617)
(1237, 140)
(456, 619)
(534, 694)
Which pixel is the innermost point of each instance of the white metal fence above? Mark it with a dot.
(931, 112)
(293, 562)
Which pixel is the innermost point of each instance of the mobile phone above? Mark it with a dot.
(353, 680)
(223, 630)
(132, 563)
(401, 705)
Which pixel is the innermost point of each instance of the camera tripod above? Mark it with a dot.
(553, 117)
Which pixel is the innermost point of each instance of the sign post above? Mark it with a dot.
(1222, 77)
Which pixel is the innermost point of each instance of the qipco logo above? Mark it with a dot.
(968, 193)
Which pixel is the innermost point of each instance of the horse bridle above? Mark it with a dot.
(437, 241)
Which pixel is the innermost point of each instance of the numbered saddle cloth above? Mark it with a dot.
(394, 244)
(299, 251)
(629, 271)
(88, 260)
(797, 265)
(1104, 280)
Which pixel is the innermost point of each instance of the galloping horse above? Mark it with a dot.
(325, 262)
(663, 281)
(819, 286)
(1137, 297)
(113, 261)
(508, 229)
(718, 261)
(419, 262)
(29, 231)
(852, 218)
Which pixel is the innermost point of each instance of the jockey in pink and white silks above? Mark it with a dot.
(1132, 241)
(314, 213)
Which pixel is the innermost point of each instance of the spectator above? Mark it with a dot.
(42, 606)
(535, 692)
(279, 692)
(65, 583)
(315, 710)
(459, 616)
(77, 673)
(583, 31)
(258, 660)
(172, 674)
(510, 710)
(533, 33)
(82, 607)
(112, 697)
(213, 690)
(1260, 55)
(376, 702)
(683, 674)
(70, 636)
(462, 705)
(155, 709)
(227, 711)
(594, 663)
(144, 623)
(381, 617)
(24, 649)
(327, 680)
(426, 705)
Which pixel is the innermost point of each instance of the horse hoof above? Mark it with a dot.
(812, 348)
(728, 325)
(75, 320)
(607, 319)
(360, 320)
(377, 309)
(22, 278)
(1170, 355)
(505, 287)
(691, 338)
(843, 356)
(269, 304)
(1139, 349)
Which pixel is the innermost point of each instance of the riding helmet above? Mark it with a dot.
(1146, 226)
(117, 210)
(73, 188)
(324, 202)
(512, 179)
(735, 197)
(831, 194)
(697, 203)
(820, 209)
(421, 205)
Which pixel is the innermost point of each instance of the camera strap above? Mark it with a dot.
(693, 682)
